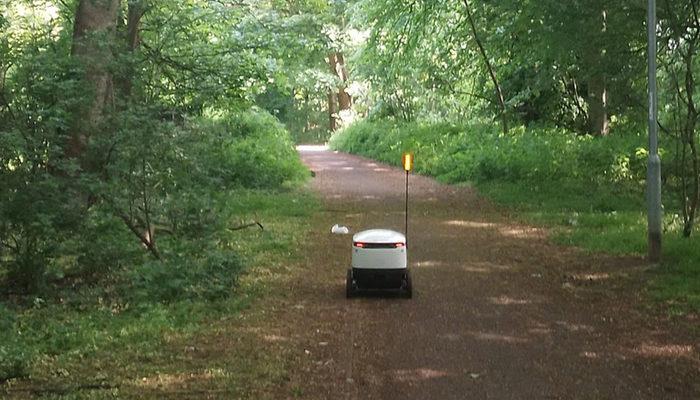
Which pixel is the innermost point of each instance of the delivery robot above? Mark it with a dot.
(379, 264)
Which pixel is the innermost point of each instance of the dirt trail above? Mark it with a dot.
(498, 311)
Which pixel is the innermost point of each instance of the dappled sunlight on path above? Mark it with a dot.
(498, 311)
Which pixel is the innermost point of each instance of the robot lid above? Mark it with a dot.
(379, 236)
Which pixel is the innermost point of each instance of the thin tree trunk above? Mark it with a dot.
(598, 121)
(332, 111)
(133, 39)
(489, 67)
(693, 206)
(691, 122)
(597, 99)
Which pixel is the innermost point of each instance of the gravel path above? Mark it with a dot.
(498, 311)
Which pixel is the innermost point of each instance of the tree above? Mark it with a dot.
(680, 42)
(93, 38)
(572, 64)
(102, 105)
(136, 9)
(339, 100)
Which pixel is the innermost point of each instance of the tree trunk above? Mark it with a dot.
(133, 38)
(690, 124)
(93, 34)
(341, 100)
(694, 200)
(489, 67)
(597, 99)
(332, 111)
(344, 98)
(598, 121)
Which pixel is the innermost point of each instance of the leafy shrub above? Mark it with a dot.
(178, 178)
(13, 355)
(209, 276)
(192, 180)
(13, 361)
(249, 149)
(38, 209)
(478, 153)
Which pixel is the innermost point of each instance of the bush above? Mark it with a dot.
(179, 178)
(249, 149)
(478, 153)
(195, 179)
(13, 356)
(209, 276)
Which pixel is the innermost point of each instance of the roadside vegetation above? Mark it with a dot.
(132, 328)
(589, 191)
(149, 185)
(100, 308)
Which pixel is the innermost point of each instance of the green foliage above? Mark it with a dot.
(37, 93)
(678, 284)
(190, 182)
(178, 178)
(423, 60)
(256, 151)
(189, 278)
(477, 153)
(296, 37)
(156, 162)
(112, 241)
(679, 48)
(124, 321)
(14, 356)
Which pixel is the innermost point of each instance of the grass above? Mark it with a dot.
(79, 338)
(597, 219)
(589, 192)
(600, 220)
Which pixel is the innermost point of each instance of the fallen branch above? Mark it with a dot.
(241, 227)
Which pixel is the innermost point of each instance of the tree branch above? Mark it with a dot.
(135, 230)
(489, 67)
(696, 16)
(133, 227)
(244, 226)
(150, 234)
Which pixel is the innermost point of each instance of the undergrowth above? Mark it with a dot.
(104, 309)
(123, 324)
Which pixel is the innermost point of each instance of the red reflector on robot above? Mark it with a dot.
(363, 245)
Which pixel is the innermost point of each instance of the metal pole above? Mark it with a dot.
(654, 162)
(406, 213)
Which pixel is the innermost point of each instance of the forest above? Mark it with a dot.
(147, 160)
